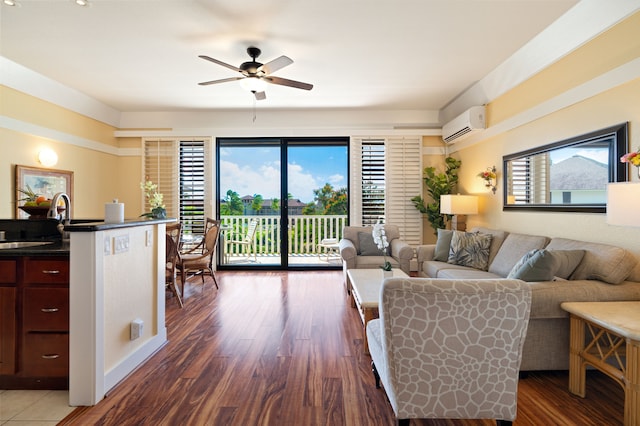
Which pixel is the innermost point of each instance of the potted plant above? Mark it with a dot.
(438, 184)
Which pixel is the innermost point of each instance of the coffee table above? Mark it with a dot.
(612, 346)
(365, 294)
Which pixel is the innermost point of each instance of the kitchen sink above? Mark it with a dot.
(22, 244)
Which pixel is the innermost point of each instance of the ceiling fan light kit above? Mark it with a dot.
(256, 75)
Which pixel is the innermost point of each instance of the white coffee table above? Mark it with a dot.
(365, 294)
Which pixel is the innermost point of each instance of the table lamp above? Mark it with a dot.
(623, 204)
(459, 206)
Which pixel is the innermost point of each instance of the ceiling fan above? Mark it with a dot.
(255, 75)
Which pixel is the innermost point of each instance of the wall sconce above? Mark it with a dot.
(459, 206)
(47, 157)
(623, 203)
(490, 178)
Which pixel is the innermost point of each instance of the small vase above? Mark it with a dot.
(159, 213)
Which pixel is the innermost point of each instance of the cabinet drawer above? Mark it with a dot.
(46, 271)
(46, 309)
(46, 354)
(8, 271)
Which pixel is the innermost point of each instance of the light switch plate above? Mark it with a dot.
(149, 238)
(107, 246)
(121, 243)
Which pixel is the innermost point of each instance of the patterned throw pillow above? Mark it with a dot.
(470, 249)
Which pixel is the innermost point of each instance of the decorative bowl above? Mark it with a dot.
(36, 212)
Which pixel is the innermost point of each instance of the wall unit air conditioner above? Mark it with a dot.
(463, 125)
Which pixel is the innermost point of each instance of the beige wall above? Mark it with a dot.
(610, 108)
(98, 176)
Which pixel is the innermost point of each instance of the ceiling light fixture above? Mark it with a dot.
(253, 84)
(82, 2)
(10, 2)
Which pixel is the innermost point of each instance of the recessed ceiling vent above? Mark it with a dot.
(464, 125)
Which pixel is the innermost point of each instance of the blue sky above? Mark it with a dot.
(256, 170)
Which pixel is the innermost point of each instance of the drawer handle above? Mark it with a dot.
(50, 356)
(49, 310)
(52, 272)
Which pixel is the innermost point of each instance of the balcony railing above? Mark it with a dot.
(304, 233)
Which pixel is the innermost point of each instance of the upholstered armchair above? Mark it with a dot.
(450, 349)
(358, 251)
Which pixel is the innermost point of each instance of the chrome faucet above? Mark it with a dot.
(53, 213)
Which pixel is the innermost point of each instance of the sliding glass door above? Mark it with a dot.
(282, 201)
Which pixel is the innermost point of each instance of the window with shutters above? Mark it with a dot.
(180, 169)
(385, 174)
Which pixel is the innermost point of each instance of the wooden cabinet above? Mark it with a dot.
(34, 350)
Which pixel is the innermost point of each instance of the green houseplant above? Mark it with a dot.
(438, 184)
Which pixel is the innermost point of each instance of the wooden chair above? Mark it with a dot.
(199, 260)
(245, 240)
(172, 259)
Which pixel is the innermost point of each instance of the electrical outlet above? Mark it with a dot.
(107, 246)
(136, 328)
(149, 238)
(121, 243)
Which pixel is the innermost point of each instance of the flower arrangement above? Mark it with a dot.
(155, 200)
(631, 157)
(489, 176)
(380, 238)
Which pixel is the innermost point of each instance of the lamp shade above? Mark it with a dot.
(623, 204)
(458, 204)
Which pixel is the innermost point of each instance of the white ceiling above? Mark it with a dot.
(142, 55)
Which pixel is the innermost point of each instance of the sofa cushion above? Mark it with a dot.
(367, 246)
(602, 262)
(512, 249)
(544, 265)
(470, 249)
(548, 295)
(466, 274)
(496, 241)
(442, 245)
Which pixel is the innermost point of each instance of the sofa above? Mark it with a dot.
(358, 251)
(557, 270)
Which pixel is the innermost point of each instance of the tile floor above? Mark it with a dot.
(33, 407)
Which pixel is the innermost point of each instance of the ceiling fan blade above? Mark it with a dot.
(260, 96)
(287, 82)
(275, 65)
(224, 64)
(224, 80)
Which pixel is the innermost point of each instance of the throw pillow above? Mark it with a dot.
(470, 249)
(536, 265)
(546, 265)
(367, 246)
(442, 245)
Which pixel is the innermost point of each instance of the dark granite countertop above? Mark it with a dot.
(45, 231)
(102, 226)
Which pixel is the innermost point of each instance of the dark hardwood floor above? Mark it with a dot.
(285, 348)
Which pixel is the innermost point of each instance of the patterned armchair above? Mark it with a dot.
(450, 349)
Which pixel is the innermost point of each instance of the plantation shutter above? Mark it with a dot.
(182, 171)
(160, 166)
(367, 186)
(403, 176)
(193, 187)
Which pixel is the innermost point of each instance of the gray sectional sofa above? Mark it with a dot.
(603, 273)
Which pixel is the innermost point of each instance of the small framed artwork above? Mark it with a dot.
(42, 182)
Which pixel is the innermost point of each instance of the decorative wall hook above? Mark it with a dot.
(490, 178)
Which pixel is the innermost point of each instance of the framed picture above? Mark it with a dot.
(45, 182)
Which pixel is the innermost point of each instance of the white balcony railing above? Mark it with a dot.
(304, 233)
